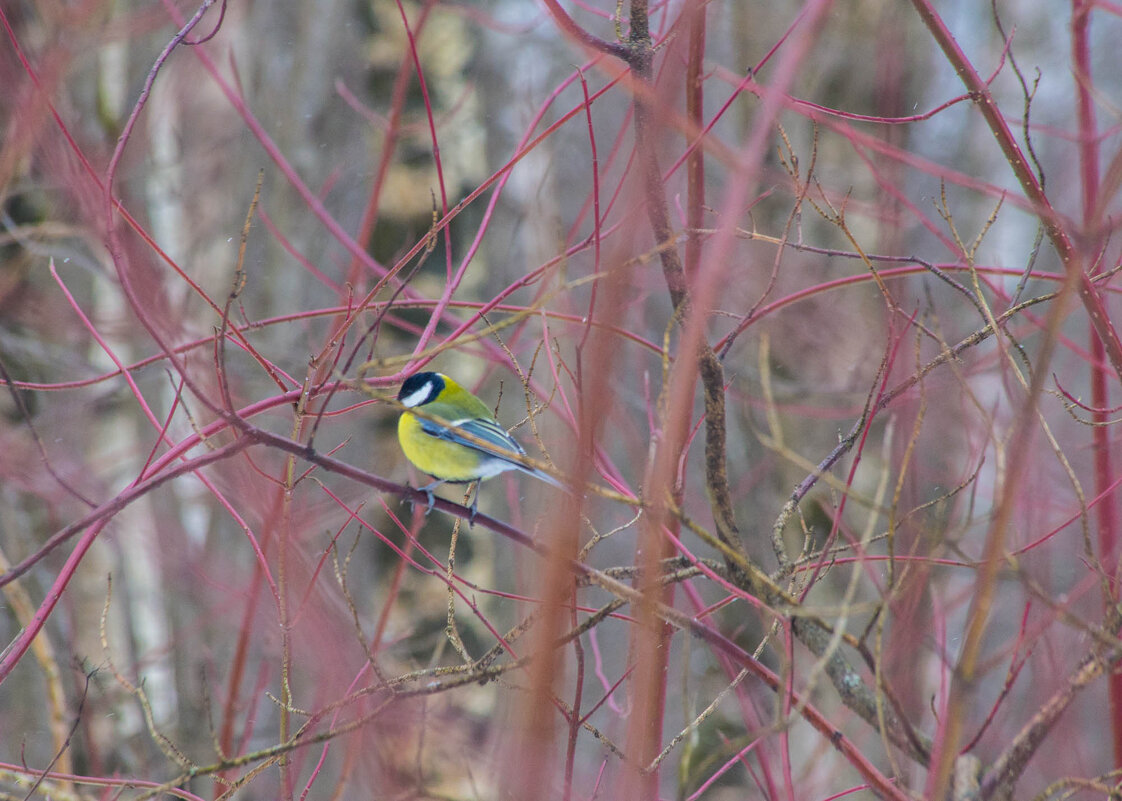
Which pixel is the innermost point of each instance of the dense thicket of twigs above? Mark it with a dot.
(811, 306)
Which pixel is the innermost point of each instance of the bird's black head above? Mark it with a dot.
(421, 388)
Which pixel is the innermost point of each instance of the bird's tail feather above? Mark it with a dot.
(541, 475)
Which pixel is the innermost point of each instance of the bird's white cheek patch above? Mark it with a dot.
(418, 397)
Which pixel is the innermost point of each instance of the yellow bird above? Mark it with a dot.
(462, 442)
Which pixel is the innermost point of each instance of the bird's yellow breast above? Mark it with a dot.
(439, 458)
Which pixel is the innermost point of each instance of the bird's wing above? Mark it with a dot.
(493, 442)
(488, 432)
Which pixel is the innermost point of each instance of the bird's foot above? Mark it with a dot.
(427, 489)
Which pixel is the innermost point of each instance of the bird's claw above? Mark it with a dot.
(473, 510)
(427, 489)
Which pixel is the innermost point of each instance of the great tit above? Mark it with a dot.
(457, 440)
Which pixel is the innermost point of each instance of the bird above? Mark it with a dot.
(454, 437)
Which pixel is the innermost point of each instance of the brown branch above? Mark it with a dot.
(847, 681)
(1001, 778)
(641, 57)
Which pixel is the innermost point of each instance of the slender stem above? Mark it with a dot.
(695, 162)
(1106, 511)
(570, 27)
